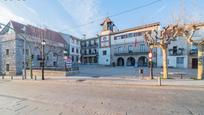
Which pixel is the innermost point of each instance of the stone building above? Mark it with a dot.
(89, 50)
(12, 48)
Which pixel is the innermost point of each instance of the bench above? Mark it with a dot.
(180, 74)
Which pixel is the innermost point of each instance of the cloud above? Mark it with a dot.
(6, 15)
(83, 12)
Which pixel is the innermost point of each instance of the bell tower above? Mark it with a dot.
(105, 42)
(107, 25)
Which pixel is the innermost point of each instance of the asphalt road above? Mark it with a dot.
(78, 97)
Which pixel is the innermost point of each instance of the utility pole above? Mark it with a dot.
(43, 59)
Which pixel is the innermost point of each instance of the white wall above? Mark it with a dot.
(159, 57)
(172, 61)
(104, 59)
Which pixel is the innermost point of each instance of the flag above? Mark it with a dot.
(136, 42)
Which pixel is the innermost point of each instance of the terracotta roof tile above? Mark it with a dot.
(38, 32)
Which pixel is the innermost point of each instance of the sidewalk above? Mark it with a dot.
(131, 81)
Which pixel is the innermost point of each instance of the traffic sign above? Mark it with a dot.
(150, 55)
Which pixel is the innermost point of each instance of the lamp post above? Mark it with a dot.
(43, 58)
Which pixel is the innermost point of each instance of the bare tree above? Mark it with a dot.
(161, 39)
(188, 31)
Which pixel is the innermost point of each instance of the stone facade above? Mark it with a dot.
(12, 49)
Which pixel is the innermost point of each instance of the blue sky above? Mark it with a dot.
(67, 15)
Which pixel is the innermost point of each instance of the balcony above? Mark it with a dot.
(193, 52)
(137, 52)
(95, 45)
(177, 52)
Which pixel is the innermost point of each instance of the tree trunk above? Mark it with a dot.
(164, 60)
(200, 62)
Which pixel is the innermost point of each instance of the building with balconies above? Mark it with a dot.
(89, 50)
(122, 48)
(181, 54)
(74, 47)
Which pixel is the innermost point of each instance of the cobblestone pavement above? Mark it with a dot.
(78, 97)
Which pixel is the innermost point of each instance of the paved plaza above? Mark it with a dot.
(78, 97)
(102, 91)
(95, 71)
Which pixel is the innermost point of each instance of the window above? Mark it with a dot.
(39, 57)
(72, 50)
(120, 49)
(77, 58)
(85, 52)
(142, 47)
(87, 43)
(139, 34)
(77, 51)
(72, 58)
(104, 52)
(73, 40)
(54, 63)
(130, 35)
(174, 50)
(93, 51)
(27, 51)
(7, 67)
(54, 54)
(89, 51)
(130, 48)
(7, 51)
(92, 42)
(180, 60)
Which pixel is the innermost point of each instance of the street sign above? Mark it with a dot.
(65, 57)
(68, 62)
(150, 55)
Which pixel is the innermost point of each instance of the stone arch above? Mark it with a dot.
(142, 61)
(130, 61)
(120, 61)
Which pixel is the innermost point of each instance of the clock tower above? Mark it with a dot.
(105, 42)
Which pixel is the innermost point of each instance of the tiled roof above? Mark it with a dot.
(138, 28)
(107, 19)
(38, 32)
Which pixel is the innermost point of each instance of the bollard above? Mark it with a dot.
(11, 77)
(159, 81)
(141, 72)
(22, 77)
(3, 77)
(35, 77)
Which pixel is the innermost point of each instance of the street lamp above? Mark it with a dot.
(43, 58)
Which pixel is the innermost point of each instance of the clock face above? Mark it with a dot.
(104, 41)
